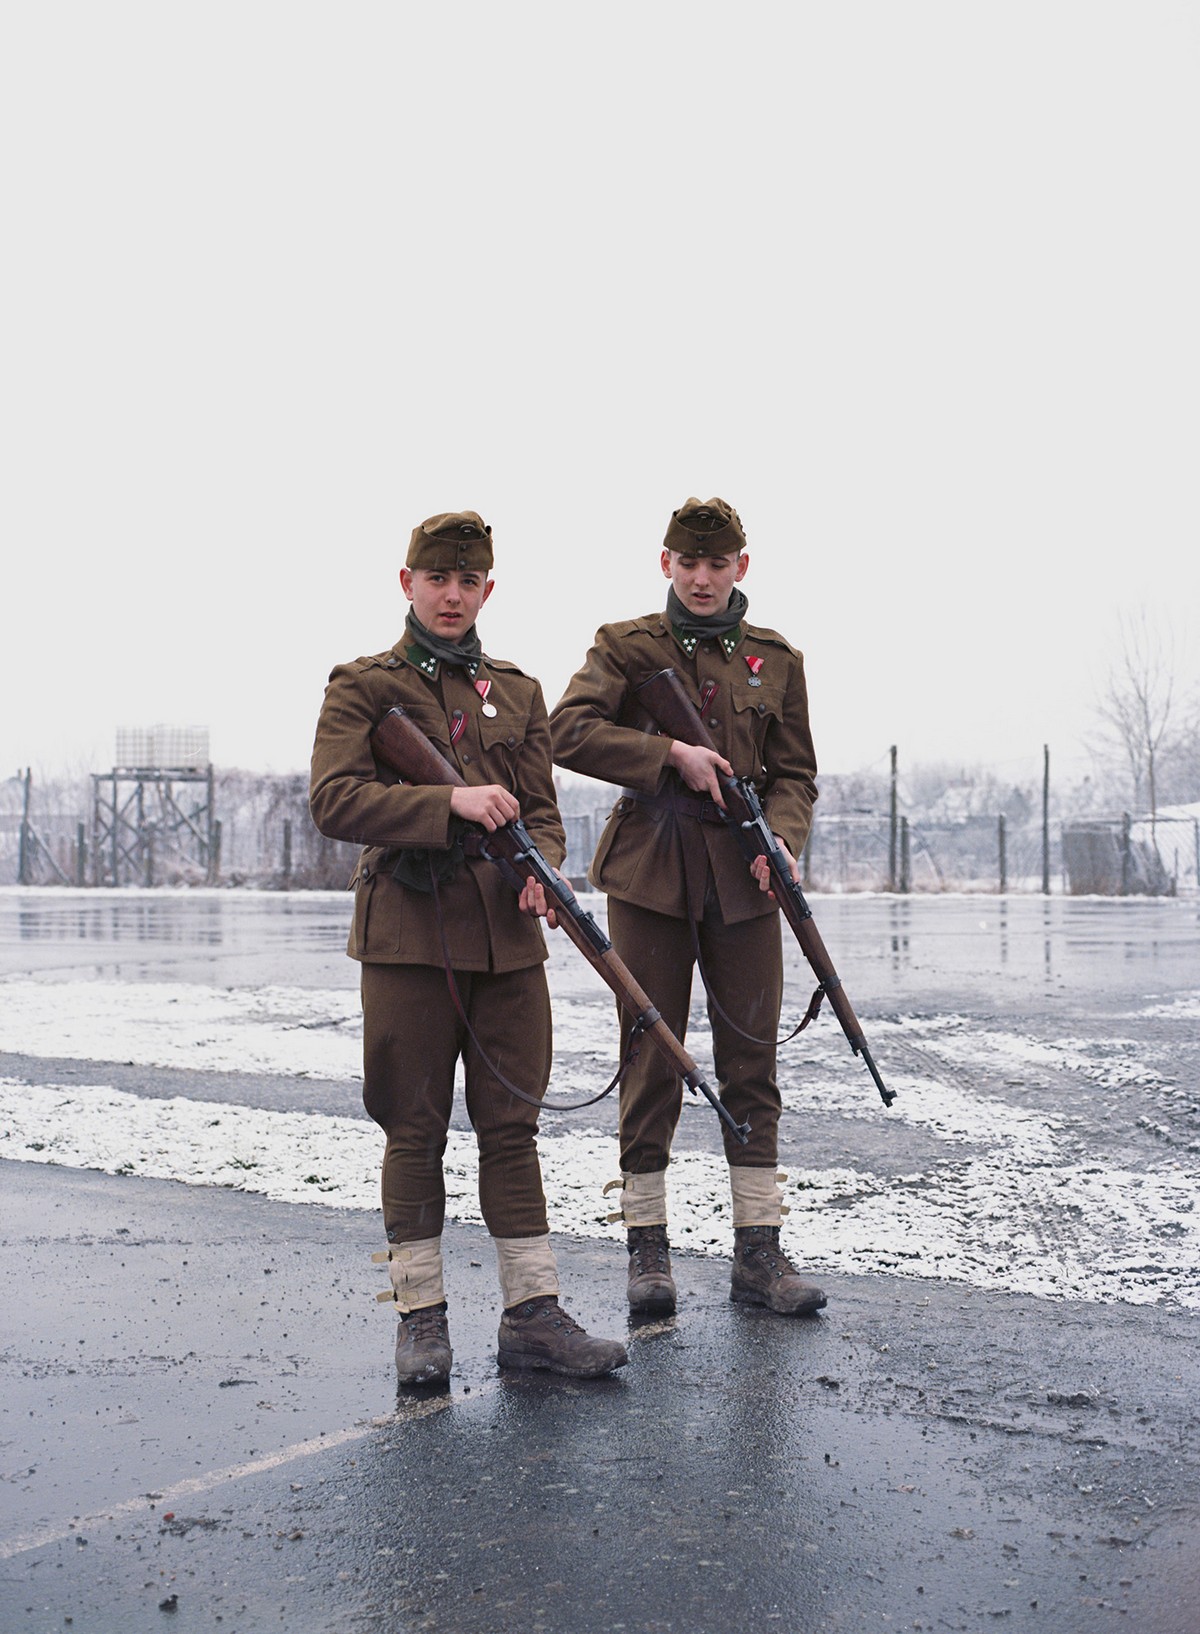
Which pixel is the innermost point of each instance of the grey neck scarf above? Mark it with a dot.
(466, 652)
(714, 623)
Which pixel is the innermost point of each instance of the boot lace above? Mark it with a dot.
(763, 1244)
(552, 1311)
(650, 1250)
(429, 1323)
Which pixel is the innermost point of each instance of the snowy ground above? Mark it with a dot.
(1045, 1137)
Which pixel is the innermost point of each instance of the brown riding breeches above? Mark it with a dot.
(412, 1039)
(744, 967)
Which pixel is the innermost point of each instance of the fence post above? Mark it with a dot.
(1126, 825)
(892, 806)
(23, 846)
(80, 854)
(287, 853)
(214, 853)
(1045, 819)
(905, 858)
(1003, 839)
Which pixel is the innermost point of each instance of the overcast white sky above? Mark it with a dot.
(913, 285)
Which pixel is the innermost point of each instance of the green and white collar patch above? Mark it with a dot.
(422, 659)
(689, 640)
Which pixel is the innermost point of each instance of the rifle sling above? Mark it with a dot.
(631, 1054)
(810, 1014)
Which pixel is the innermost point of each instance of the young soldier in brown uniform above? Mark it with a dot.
(489, 719)
(676, 881)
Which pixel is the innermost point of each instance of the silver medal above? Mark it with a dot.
(489, 710)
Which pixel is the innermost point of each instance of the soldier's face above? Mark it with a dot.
(704, 584)
(446, 603)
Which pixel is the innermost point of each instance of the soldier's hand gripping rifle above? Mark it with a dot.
(666, 701)
(398, 742)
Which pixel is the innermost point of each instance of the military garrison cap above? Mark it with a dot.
(709, 527)
(456, 541)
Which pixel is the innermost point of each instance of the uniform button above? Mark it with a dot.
(713, 721)
(762, 709)
(511, 740)
(466, 760)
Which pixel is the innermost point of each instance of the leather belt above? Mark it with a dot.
(686, 805)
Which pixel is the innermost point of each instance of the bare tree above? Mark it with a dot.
(1137, 702)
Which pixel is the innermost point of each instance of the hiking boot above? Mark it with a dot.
(651, 1285)
(763, 1274)
(539, 1333)
(423, 1353)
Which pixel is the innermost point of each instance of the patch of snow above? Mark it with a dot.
(1011, 1219)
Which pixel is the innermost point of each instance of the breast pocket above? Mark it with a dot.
(755, 711)
(500, 739)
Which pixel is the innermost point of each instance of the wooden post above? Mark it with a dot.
(905, 858)
(1003, 838)
(1126, 825)
(1046, 819)
(214, 855)
(287, 853)
(24, 847)
(892, 826)
(80, 854)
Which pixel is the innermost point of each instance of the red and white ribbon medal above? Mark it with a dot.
(457, 721)
(754, 664)
(483, 688)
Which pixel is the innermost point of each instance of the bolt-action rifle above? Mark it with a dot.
(666, 701)
(399, 743)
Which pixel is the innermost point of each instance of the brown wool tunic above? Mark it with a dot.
(647, 855)
(354, 798)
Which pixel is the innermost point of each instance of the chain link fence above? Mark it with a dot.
(259, 833)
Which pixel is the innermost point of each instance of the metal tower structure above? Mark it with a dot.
(153, 812)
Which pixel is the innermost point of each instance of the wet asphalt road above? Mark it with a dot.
(201, 1430)
(200, 1427)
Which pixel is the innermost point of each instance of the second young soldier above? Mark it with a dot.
(457, 972)
(679, 890)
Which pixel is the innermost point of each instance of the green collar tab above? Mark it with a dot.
(422, 659)
(689, 640)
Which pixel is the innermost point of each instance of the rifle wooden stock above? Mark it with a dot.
(666, 701)
(399, 743)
